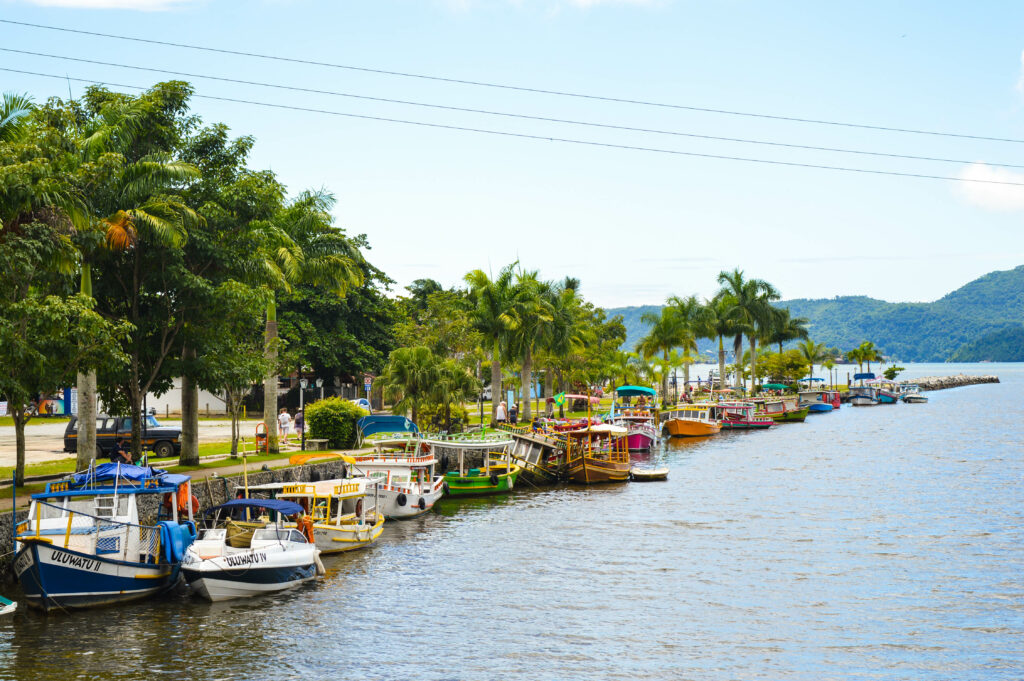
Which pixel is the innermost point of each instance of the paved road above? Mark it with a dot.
(44, 441)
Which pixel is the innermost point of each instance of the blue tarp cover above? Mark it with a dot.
(808, 380)
(858, 377)
(635, 391)
(279, 505)
(371, 425)
(109, 471)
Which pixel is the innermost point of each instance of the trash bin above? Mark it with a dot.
(261, 438)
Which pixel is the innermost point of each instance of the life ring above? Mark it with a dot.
(494, 479)
(401, 499)
(359, 508)
(422, 504)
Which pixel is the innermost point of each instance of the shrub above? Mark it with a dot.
(431, 418)
(334, 419)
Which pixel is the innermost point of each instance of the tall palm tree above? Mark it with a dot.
(309, 250)
(714, 322)
(14, 115)
(784, 327)
(689, 311)
(409, 379)
(452, 384)
(750, 307)
(812, 352)
(667, 331)
(492, 300)
(870, 353)
(531, 313)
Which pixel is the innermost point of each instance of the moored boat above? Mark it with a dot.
(496, 474)
(911, 394)
(597, 454)
(640, 421)
(83, 544)
(863, 396)
(276, 559)
(690, 420)
(784, 409)
(739, 416)
(816, 401)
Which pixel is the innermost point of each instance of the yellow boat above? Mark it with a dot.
(344, 513)
(690, 420)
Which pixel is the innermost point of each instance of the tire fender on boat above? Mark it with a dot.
(422, 504)
(494, 479)
(401, 499)
(359, 508)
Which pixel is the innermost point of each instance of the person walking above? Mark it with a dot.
(284, 424)
(300, 423)
(500, 414)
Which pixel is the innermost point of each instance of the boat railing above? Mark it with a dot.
(91, 534)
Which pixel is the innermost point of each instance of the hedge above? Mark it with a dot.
(334, 419)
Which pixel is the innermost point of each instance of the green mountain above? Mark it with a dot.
(972, 321)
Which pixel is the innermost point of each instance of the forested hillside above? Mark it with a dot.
(970, 322)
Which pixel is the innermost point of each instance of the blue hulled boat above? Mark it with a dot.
(82, 545)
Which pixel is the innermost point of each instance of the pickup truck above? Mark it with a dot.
(163, 441)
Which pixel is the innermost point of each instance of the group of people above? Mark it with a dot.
(505, 415)
(287, 425)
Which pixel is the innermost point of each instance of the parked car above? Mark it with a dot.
(163, 441)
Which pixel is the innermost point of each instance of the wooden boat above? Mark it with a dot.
(648, 474)
(690, 420)
(816, 401)
(887, 392)
(82, 544)
(496, 474)
(598, 454)
(863, 396)
(344, 513)
(739, 416)
(277, 558)
(782, 409)
(406, 483)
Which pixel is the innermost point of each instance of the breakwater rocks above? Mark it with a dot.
(943, 382)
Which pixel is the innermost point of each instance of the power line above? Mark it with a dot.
(501, 86)
(505, 114)
(545, 138)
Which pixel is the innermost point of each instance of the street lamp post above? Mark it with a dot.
(302, 392)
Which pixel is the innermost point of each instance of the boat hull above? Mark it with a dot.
(690, 428)
(412, 508)
(887, 398)
(481, 485)
(639, 442)
(747, 425)
(55, 578)
(241, 575)
(791, 416)
(333, 538)
(862, 401)
(819, 408)
(915, 399)
(589, 470)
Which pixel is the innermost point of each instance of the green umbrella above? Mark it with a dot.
(775, 386)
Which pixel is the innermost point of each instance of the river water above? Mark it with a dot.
(870, 543)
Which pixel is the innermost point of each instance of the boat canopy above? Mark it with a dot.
(279, 505)
(568, 396)
(811, 380)
(775, 386)
(109, 472)
(863, 377)
(635, 391)
(384, 423)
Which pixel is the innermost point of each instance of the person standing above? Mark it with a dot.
(284, 424)
(300, 423)
(500, 414)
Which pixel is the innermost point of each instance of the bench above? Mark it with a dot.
(316, 445)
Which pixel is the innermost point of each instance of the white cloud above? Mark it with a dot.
(1000, 197)
(142, 5)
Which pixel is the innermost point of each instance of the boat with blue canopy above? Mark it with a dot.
(385, 424)
(84, 544)
(640, 420)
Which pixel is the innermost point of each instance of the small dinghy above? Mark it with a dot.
(7, 607)
(648, 474)
(276, 559)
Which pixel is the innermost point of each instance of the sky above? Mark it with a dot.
(636, 226)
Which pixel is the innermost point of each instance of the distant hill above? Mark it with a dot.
(971, 321)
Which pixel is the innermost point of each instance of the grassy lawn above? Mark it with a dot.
(36, 421)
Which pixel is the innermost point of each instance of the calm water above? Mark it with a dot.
(871, 543)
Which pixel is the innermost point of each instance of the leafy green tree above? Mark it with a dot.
(690, 313)
(409, 379)
(453, 385)
(714, 321)
(531, 313)
(813, 353)
(492, 300)
(869, 353)
(749, 302)
(667, 331)
(783, 327)
(783, 367)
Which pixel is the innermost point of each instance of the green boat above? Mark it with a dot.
(784, 409)
(497, 475)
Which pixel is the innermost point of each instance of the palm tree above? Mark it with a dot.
(870, 353)
(452, 384)
(563, 334)
(492, 301)
(812, 352)
(309, 250)
(750, 309)
(856, 355)
(829, 364)
(784, 327)
(667, 332)
(713, 321)
(689, 312)
(531, 313)
(14, 114)
(409, 379)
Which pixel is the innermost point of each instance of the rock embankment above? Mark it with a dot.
(943, 382)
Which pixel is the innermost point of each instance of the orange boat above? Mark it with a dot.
(690, 420)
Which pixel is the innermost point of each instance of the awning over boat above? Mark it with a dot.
(863, 377)
(600, 429)
(811, 380)
(385, 423)
(279, 505)
(775, 386)
(635, 391)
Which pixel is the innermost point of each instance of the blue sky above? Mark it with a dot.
(634, 226)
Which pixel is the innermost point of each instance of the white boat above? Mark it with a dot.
(406, 481)
(863, 396)
(912, 394)
(276, 559)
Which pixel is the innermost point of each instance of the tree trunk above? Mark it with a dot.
(753, 364)
(189, 414)
(86, 420)
(549, 383)
(527, 380)
(232, 405)
(686, 376)
(495, 382)
(664, 380)
(270, 382)
(17, 412)
(737, 351)
(86, 442)
(135, 397)
(721, 363)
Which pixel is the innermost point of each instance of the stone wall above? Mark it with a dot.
(943, 382)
